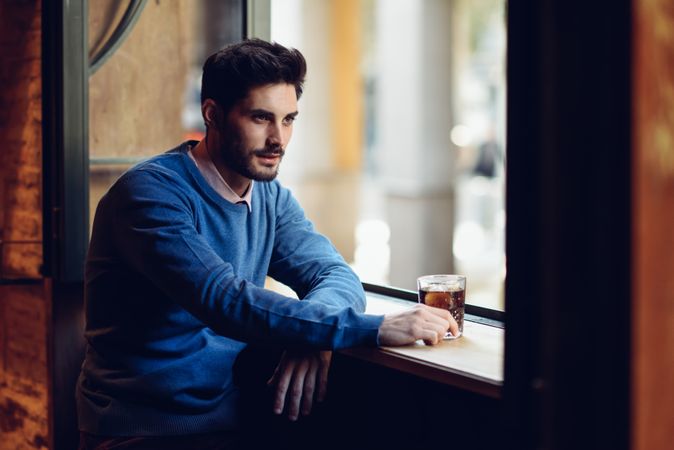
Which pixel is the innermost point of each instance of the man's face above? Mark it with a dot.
(257, 130)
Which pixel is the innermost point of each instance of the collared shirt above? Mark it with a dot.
(207, 168)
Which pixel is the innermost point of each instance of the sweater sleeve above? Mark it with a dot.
(307, 261)
(155, 235)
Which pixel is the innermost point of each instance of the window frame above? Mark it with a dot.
(65, 112)
(474, 313)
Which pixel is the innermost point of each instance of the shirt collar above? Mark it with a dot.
(207, 168)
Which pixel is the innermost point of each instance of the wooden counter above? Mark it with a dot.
(473, 362)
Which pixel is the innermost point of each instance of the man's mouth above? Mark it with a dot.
(269, 157)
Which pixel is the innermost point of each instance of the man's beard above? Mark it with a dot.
(242, 161)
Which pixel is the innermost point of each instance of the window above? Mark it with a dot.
(398, 153)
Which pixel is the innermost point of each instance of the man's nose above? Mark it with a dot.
(275, 135)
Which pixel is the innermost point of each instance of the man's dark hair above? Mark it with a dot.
(230, 73)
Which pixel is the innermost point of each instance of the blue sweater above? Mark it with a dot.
(174, 291)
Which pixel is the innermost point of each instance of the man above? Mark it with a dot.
(180, 249)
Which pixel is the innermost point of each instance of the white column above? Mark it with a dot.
(303, 24)
(414, 151)
(328, 197)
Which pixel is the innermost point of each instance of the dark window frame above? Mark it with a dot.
(65, 115)
(568, 229)
(474, 313)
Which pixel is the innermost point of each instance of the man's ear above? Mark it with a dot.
(212, 113)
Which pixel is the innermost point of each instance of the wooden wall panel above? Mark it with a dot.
(23, 367)
(20, 128)
(653, 198)
(23, 308)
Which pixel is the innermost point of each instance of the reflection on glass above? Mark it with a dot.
(145, 99)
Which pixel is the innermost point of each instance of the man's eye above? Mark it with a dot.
(288, 120)
(260, 118)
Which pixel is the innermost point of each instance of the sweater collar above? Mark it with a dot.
(208, 170)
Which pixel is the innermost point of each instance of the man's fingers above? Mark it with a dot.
(296, 390)
(283, 375)
(432, 338)
(325, 358)
(444, 319)
(437, 314)
(406, 327)
(309, 388)
(272, 380)
(434, 333)
(453, 326)
(297, 380)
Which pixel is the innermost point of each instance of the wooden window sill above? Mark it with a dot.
(473, 362)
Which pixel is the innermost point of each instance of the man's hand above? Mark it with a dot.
(420, 322)
(297, 378)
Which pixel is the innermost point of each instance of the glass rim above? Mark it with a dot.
(447, 276)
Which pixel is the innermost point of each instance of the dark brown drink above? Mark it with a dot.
(453, 300)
